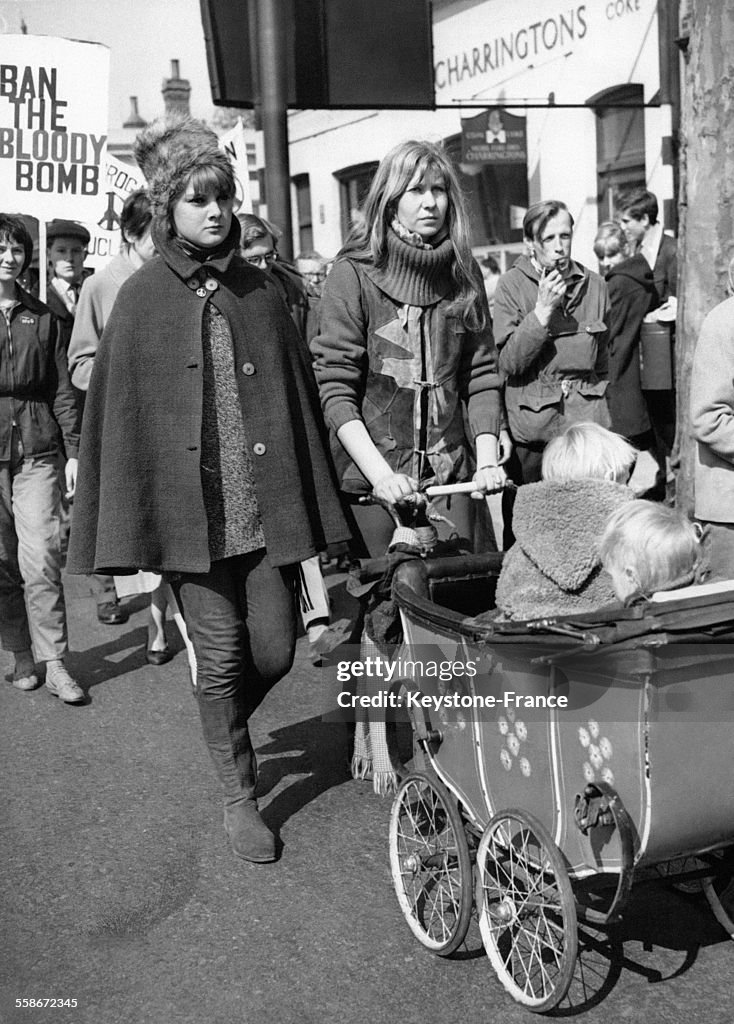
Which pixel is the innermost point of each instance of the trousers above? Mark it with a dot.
(241, 619)
(32, 608)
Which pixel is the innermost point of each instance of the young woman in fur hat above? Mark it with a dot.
(202, 455)
(405, 346)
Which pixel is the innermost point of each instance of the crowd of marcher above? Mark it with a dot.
(236, 410)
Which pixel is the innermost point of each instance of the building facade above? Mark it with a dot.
(535, 99)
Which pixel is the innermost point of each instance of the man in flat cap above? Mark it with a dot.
(66, 248)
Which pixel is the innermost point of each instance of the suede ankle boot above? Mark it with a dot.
(249, 836)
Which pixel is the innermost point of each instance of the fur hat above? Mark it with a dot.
(169, 150)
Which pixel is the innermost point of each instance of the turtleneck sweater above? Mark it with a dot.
(416, 277)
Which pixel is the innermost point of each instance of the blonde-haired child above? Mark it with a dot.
(647, 547)
(588, 450)
(554, 567)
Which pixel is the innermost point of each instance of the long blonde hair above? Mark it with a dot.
(368, 239)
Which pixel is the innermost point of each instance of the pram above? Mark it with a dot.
(538, 814)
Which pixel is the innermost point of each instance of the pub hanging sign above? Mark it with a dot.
(494, 137)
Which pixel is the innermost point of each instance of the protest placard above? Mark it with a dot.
(120, 181)
(234, 145)
(53, 126)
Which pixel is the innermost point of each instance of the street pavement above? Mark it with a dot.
(119, 890)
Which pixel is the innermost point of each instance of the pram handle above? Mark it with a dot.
(432, 491)
(439, 490)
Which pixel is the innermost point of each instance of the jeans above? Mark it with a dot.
(241, 619)
(30, 555)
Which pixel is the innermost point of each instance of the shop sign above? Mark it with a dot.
(494, 137)
(519, 53)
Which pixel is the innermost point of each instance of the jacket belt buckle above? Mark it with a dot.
(566, 385)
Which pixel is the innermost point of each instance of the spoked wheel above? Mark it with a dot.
(430, 865)
(719, 891)
(526, 909)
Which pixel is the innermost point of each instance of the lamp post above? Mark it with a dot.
(273, 76)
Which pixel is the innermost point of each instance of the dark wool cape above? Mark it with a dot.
(554, 567)
(139, 503)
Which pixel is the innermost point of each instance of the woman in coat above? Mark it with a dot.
(96, 300)
(201, 453)
(404, 347)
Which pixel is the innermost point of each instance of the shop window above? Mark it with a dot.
(620, 145)
(354, 185)
(496, 197)
(304, 221)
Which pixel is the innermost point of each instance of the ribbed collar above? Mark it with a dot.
(418, 277)
(186, 262)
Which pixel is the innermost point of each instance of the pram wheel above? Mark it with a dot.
(430, 865)
(719, 891)
(669, 871)
(527, 914)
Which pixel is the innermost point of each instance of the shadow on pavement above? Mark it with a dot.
(318, 753)
(123, 653)
(659, 939)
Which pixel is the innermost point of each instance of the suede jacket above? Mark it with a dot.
(35, 392)
(554, 375)
(391, 353)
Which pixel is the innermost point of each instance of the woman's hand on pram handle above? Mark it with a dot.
(394, 487)
(421, 496)
(488, 480)
(416, 505)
